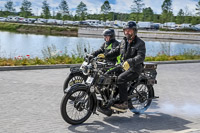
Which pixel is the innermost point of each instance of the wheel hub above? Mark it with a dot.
(143, 97)
(79, 105)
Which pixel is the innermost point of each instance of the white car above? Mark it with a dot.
(59, 22)
(2, 19)
(51, 21)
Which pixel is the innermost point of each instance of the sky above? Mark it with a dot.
(94, 6)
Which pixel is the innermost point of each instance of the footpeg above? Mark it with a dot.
(117, 109)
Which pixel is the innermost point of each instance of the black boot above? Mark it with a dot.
(107, 112)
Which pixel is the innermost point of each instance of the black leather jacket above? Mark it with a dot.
(134, 53)
(106, 48)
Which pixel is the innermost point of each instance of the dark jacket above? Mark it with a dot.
(134, 53)
(106, 48)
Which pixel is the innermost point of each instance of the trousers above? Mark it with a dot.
(122, 80)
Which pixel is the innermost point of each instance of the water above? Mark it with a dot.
(14, 45)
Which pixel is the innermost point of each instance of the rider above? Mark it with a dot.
(132, 53)
(109, 44)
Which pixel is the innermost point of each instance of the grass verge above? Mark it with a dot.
(38, 29)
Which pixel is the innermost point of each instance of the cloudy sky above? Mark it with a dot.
(116, 5)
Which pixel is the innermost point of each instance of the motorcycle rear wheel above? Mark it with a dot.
(142, 100)
(74, 78)
(76, 107)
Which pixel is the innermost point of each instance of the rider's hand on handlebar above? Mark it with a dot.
(126, 66)
(101, 56)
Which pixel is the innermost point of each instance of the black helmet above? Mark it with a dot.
(131, 25)
(109, 32)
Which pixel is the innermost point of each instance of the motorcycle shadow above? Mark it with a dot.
(146, 122)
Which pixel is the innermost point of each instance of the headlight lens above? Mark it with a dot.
(86, 69)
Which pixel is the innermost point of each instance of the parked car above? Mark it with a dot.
(145, 25)
(66, 22)
(76, 23)
(51, 21)
(41, 21)
(83, 23)
(169, 25)
(116, 26)
(156, 26)
(31, 20)
(2, 19)
(12, 18)
(59, 22)
(186, 25)
(196, 27)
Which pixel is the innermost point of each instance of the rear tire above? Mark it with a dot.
(73, 78)
(74, 105)
(141, 102)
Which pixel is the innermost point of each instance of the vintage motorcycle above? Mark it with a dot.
(100, 91)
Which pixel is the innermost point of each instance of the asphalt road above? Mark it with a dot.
(30, 103)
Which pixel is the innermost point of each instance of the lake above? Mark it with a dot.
(15, 44)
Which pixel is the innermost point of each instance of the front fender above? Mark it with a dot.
(81, 86)
(75, 87)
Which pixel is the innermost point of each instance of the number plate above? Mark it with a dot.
(89, 80)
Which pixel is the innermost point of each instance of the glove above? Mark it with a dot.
(101, 56)
(126, 66)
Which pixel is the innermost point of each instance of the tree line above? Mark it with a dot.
(138, 12)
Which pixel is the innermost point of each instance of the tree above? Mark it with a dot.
(58, 16)
(195, 20)
(26, 8)
(167, 14)
(81, 11)
(46, 9)
(156, 18)
(64, 7)
(198, 8)
(137, 7)
(9, 6)
(147, 14)
(105, 8)
(180, 17)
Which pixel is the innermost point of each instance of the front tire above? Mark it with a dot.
(76, 107)
(142, 99)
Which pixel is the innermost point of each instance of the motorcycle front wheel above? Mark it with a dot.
(74, 78)
(76, 107)
(142, 99)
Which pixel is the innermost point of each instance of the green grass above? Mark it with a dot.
(187, 55)
(37, 61)
(38, 29)
(65, 59)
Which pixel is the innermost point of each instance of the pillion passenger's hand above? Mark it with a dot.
(101, 56)
(126, 66)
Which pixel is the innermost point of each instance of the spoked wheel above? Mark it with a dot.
(142, 98)
(74, 78)
(76, 107)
